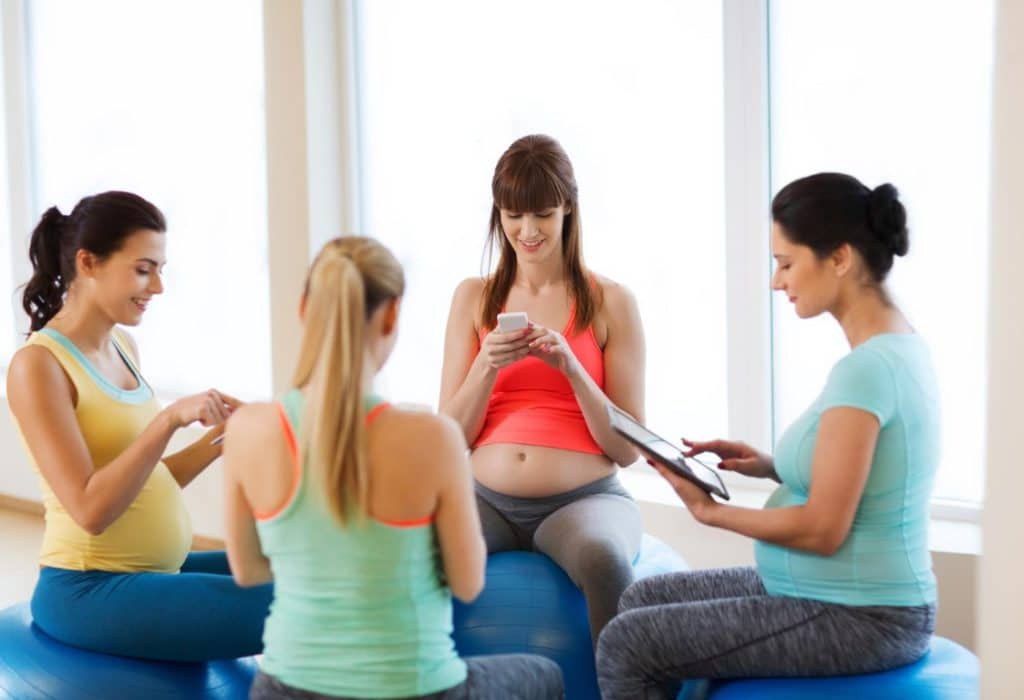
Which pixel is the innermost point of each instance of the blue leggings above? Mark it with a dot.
(196, 615)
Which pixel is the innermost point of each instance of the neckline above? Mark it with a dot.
(138, 395)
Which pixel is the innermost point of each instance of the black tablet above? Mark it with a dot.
(666, 453)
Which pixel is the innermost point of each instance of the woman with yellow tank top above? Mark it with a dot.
(362, 513)
(116, 574)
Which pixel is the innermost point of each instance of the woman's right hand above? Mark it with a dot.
(208, 408)
(736, 457)
(502, 349)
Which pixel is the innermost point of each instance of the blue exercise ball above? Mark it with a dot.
(529, 605)
(34, 666)
(946, 672)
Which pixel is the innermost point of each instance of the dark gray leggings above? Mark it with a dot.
(498, 677)
(722, 623)
(592, 532)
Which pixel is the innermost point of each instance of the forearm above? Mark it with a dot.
(109, 490)
(594, 406)
(796, 527)
(468, 406)
(190, 462)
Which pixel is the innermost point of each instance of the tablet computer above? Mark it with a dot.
(666, 453)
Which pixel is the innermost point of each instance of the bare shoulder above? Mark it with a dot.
(34, 367)
(619, 305)
(418, 435)
(467, 294)
(251, 419)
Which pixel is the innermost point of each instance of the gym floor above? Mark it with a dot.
(20, 537)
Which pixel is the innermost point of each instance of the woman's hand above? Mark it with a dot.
(736, 457)
(208, 408)
(697, 501)
(500, 349)
(552, 347)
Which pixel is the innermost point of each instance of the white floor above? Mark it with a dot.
(20, 537)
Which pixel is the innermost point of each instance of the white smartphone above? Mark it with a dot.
(512, 321)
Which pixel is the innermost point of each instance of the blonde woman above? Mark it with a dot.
(362, 513)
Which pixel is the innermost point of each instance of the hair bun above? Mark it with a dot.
(888, 219)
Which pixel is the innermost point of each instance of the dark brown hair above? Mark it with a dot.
(826, 210)
(535, 174)
(99, 224)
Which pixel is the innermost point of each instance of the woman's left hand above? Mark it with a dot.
(552, 347)
(697, 500)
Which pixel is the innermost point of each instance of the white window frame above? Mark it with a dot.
(314, 188)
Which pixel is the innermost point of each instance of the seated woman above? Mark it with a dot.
(116, 575)
(347, 503)
(843, 582)
(532, 403)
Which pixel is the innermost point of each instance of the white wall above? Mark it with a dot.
(1001, 607)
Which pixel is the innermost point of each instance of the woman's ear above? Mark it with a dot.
(85, 263)
(842, 259)
(390, 321)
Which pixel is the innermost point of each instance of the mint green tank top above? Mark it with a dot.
(885, 558)
(360, 610)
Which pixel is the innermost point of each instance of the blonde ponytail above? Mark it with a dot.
(350, 278)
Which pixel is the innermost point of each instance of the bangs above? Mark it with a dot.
(527, 187)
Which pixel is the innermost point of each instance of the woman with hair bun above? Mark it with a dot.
(843, 582)
(116, 575)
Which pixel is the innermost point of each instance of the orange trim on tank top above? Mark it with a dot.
(293, 448)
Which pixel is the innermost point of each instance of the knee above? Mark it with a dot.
(603, 560)
(617, 647)
(634, 597)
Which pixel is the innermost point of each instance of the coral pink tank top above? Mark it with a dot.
(533, 403)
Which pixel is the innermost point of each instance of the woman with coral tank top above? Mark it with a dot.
(532, 403)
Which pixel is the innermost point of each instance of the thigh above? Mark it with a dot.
(692, 587)
(594, 532)
(171, 617)
(499, 534)
(732, 638)
(508, 677)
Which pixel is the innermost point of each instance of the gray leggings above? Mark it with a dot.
(592, 532)
(722, 623)
(511, 676)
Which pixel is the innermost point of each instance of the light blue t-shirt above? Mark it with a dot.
(885, 558)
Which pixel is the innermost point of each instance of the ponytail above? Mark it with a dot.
(44, 293)
(99, 224)
(350, 279)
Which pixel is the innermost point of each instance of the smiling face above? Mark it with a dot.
(123, 283)
(811, 283)
(534, 236)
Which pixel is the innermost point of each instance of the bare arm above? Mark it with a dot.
(184, 465)
(467, 379)
(624, 359)
(243, 450)
(40, 396)
(463, 551)
(843, 453)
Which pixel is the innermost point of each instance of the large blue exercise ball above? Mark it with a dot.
(529, 605)
(34, 666)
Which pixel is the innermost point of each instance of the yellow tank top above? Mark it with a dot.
(155, 533)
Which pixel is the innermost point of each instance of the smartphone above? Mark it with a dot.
(512, 321)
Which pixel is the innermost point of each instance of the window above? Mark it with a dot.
(636, 100)
(896, 92)
(166, 100)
